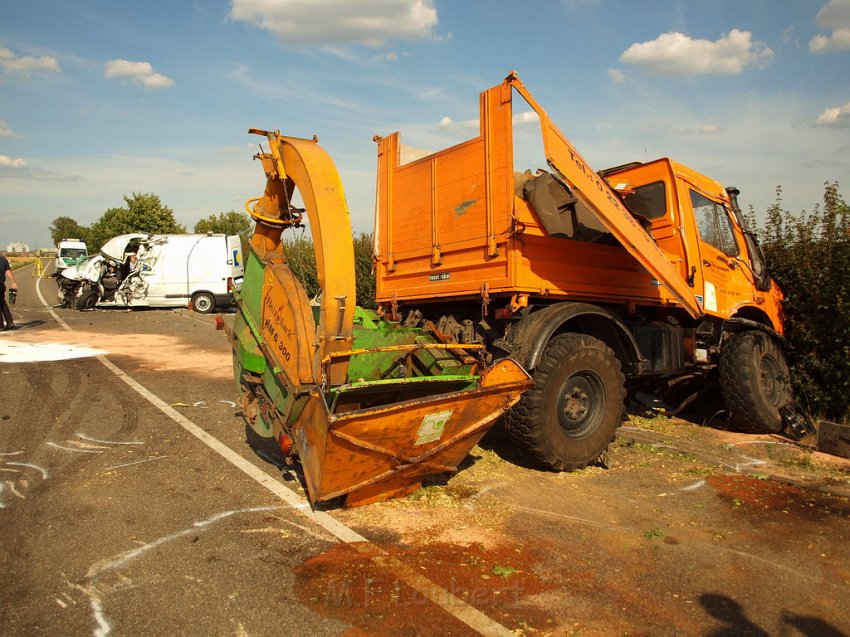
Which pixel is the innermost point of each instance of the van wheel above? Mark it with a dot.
(566, 420)
(755, 381)
(87, 301)
(203, 302)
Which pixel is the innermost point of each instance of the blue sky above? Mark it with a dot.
(102, 99)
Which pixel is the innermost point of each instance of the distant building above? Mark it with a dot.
(17, 246)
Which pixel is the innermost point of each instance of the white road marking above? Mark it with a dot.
(127, 464)
(16, 352)
(12, 488)
(750, 462)
(63, 448)
(116, 563)
(693, 487)
(11, 453)
(103, 627)
(109, 442)
(121, 560)
(228, 402)
(44, 474)
(443, 598)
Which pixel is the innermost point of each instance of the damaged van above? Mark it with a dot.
(149, 270)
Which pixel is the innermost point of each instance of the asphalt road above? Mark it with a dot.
(115, 519)
(131, 504)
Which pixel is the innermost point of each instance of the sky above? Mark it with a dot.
(102, 99)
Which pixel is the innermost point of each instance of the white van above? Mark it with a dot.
(70, 252)
(165, 270)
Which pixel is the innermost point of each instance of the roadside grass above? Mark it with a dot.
(20, 262)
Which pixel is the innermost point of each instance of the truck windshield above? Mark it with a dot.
(72, 253)
(714, 224)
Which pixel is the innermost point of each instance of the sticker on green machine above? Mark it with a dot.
(432, 427)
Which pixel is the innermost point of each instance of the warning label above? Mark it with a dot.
(432, 427)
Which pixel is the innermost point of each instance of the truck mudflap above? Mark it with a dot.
(370, 409)
(369, 455)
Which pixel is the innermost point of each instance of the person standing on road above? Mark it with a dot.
(6, 273)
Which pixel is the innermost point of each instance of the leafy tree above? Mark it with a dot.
(67, 228)
(809, 256)
(363, 270)
(231, 222)
(143, 213)
(302, 260)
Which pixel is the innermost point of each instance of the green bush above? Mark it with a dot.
(302, 261)
(809, 257)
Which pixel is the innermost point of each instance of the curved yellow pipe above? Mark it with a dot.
(307, 165)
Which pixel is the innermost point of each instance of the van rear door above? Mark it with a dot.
(234, 260)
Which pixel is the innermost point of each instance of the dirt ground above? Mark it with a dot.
(663, 542)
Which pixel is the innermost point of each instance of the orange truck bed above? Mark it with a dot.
(453, 224)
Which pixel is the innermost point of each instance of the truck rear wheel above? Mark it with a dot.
(755, 381)
(570, 415)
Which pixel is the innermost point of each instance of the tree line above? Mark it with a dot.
(145, 212)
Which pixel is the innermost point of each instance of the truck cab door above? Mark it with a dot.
(725, 285)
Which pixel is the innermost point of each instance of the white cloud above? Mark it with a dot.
(527, 118)
(8, 162)
(709, 129)
(524, 119)
(678, 54)
(617, 76)
(838, 117)
(838, 41)
(334, 22)
(141, 73)
(26, 64)
(5, 131)
(447, 123)
(834, 16)
(387, 56)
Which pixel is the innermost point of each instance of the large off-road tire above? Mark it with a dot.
(203, 302)
(755, 381)
(88, 300)
(570, 415)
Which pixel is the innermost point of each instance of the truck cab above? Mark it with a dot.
(698, 224)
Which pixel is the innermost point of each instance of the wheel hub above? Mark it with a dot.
(575, 406)
(581, 404)
(771, 380)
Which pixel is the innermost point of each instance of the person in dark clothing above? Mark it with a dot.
(6, 320)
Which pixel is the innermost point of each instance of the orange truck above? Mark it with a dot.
(594, 282)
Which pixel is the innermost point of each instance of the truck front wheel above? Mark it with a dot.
(755, 381)
(570, 415)
(88, 300)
